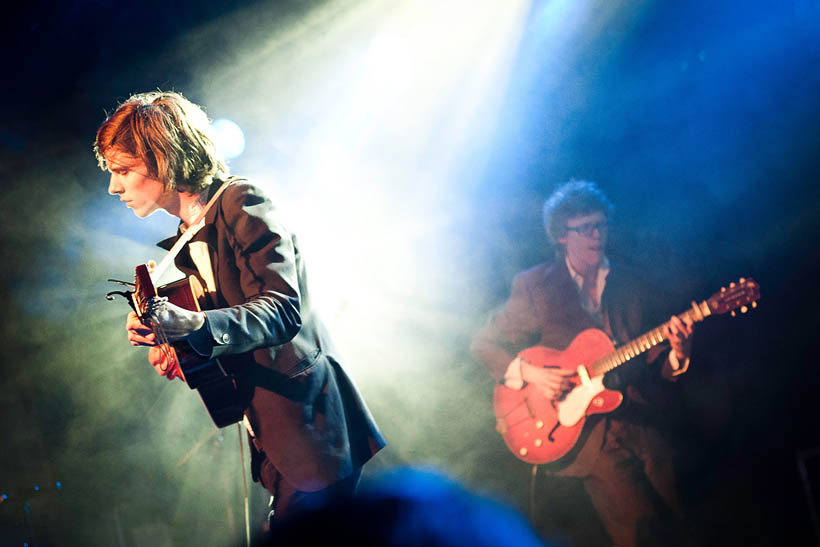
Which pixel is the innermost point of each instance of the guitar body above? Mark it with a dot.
(215, 385)
(538, 430)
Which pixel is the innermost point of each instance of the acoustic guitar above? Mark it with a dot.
(215, 384)
(539, 430)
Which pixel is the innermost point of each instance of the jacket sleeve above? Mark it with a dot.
(265, 256)
(508, 330)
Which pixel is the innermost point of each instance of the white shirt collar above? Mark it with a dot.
(578, 279)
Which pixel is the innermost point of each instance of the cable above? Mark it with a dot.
(244, 487)
(532, 493)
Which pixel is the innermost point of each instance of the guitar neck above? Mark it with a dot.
(645, 342)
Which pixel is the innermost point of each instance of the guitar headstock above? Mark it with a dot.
(144, 288)
(741, 295)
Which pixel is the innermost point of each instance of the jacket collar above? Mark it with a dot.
(167, 243)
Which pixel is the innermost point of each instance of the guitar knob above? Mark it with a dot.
(523, 451)
(539, 424)
(743, 280)
(754, 304)
(538, 442)
(733, 313)
(732, 285)
(723, 289)
(744, 309)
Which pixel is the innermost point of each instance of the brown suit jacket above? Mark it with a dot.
(307, 415)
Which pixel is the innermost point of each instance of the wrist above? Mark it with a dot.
(201, 339)
(674, 365)
(199, 321)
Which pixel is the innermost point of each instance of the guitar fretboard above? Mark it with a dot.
(644, 342)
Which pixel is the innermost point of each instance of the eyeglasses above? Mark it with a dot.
(588, 228)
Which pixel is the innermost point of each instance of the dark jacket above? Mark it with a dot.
(308, 418)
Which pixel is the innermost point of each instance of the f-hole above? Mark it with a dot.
(556, 426)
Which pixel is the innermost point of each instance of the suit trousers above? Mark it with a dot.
(632, 486)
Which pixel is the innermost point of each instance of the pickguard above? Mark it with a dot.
(575, 404)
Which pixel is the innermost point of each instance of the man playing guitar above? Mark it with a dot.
(620, 457)
(310, 430)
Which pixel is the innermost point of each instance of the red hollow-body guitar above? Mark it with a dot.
(215, 384)
(539, 430)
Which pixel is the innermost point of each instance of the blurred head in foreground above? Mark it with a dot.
(407, 508)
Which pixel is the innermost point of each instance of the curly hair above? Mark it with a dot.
(573, 199)
(169, 133)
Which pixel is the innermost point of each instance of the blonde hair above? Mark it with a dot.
(169, 133)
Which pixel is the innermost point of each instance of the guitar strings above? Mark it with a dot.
(148, 310)
(164, 345)
(155, 306)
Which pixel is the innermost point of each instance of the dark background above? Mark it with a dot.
(699, 119)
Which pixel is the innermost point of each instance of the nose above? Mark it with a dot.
(599, 230)
(114, 186)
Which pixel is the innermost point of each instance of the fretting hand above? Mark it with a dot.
(679, 334)
(139, 334)
(159, 360)
(182, 321)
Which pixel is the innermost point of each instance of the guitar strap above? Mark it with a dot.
(188, 234)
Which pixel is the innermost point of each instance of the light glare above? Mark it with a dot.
(230, 140)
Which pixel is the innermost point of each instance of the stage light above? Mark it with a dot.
(230, 140)
(379, 115)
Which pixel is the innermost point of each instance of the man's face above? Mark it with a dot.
(135, 187)
(585, 240)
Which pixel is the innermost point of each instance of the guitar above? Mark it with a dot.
(215, 384)
(539, 430)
